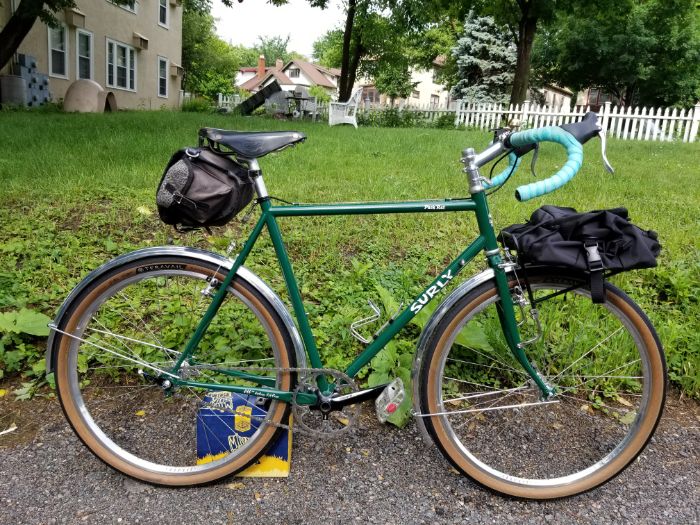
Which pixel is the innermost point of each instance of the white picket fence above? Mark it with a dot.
(626, 123)
(228, 102)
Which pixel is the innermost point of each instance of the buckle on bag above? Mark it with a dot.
(595, 262)
(595, 267)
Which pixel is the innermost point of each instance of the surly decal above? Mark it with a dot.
(432, 292)
(159, 267)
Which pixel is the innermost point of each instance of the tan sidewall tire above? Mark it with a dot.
(95, 445)
(646, 428)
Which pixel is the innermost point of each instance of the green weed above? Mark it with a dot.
(79, 189)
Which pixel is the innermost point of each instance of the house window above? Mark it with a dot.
(83, 50)
(129, 6)
(593, 95)
(415, 94)
(121, 66)
(58, 51)
(293, 73)
(163, 13)
(162, 77)
(370, 94)
(434, 100)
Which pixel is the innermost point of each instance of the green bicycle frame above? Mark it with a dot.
(486, 241)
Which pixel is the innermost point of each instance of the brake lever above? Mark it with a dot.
(534, 159)
(603, 145)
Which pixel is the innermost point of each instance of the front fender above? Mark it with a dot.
(427, 334)
(193, 253)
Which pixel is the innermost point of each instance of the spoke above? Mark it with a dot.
(587, 402)
(465, 382)
(600, 343)
(494, 358)
(487, 409)
(132, 340)
(479, 410)
(484, 394)
(591, 378)
(485, 365)
(138, 315)
(122, 356)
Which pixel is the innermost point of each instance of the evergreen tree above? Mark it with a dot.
(485, 61)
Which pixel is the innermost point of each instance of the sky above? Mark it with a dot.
(242, 23)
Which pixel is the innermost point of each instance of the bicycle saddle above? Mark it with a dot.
(251, 144)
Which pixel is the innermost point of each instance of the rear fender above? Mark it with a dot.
(201, 255)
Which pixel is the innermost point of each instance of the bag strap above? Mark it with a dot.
(595, 271)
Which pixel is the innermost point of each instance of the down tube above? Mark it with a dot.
(402, 320)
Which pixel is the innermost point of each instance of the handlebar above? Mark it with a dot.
(574, 151)
(570, 136)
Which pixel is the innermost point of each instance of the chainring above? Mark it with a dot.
(314, 422)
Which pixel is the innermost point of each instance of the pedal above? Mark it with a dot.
(390, 399)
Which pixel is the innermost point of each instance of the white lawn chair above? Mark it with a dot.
(345, 112)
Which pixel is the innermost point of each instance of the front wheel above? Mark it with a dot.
(117, 344)
(488, 418)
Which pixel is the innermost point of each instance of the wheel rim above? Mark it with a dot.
(147, 317)
(598, 416)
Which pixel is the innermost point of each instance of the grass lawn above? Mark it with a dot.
(80, 189)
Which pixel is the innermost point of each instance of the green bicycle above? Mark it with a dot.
(529, 388)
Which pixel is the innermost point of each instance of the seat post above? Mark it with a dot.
(256, 174)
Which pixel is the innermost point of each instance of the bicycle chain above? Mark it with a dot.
(301, 429)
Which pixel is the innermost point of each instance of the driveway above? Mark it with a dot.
(378, 474)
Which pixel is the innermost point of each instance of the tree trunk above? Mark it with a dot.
(19, 24)
(526, 36)
(344, 86)
(357, 52)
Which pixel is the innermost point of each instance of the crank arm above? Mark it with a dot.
(356, 397)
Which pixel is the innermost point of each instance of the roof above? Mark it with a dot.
(314, 72)
(256, 81)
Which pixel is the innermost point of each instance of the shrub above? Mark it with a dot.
(197, 105)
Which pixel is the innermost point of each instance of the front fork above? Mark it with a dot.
(506, 311)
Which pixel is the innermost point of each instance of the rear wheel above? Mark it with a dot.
(127, 330)
(487, 416)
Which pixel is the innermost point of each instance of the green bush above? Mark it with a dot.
(399, 118)
(197, 105)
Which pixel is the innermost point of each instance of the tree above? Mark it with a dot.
(375, 29)
(484, 61)
(210, 63)
(437, 41)
(646, 53)
(394, 81)
(328, 49)
(22, 20)
(522, 17)
(274, 47)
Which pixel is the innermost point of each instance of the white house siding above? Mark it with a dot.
(429, 93)
(107, 22)
(242, 78)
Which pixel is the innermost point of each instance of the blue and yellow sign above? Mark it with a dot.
(226, 421)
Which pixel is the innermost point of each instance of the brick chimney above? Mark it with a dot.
(261, 66)
(279, 64)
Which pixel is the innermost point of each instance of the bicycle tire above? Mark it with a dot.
(145, 311)
(605, 362)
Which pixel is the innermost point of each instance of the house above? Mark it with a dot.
(133, 50)
(289, 76)
(427, 91)
(595, 98)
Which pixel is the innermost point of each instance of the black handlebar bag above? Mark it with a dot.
(201, 188)
(596, 242)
